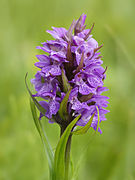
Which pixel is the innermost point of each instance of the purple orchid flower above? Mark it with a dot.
(76, 54)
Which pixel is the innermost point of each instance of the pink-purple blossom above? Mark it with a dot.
(76, 53)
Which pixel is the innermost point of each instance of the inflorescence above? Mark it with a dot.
(72, 62)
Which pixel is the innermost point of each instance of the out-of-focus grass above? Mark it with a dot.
(109, 156)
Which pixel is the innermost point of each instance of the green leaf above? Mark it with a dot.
(33, 104)
(63, 106)
(66, 85)
(40, 108)
(59, 158)
(44, 138)
(98, 119)
(84, 129)
(34, 115)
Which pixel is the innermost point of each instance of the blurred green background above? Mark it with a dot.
(110, 156)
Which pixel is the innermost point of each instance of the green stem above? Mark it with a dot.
(67, 154)
(67, 157)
